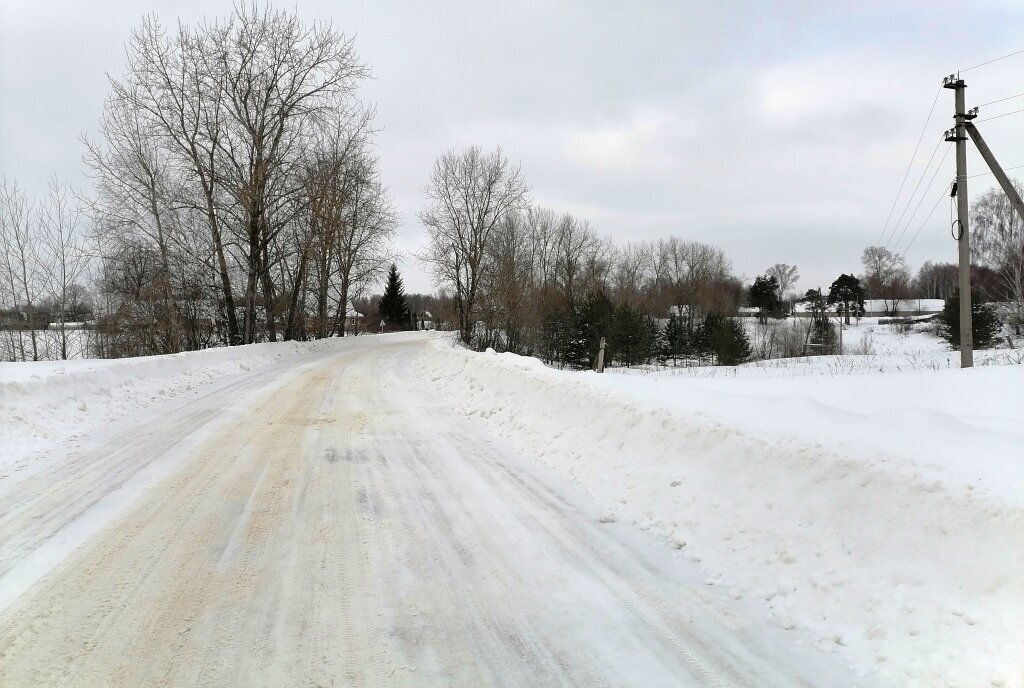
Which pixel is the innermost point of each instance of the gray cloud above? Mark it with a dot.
(779, 131)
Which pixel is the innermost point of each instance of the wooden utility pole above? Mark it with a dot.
(959, 135)
(599, 363)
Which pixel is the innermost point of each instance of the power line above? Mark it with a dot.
(991, 61)
(986, 174)
(923, 195)
(1005, 114)
(934, 207)
(910, 164)
(913, 195)
(993, 102)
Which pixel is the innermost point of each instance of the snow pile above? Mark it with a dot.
(880, 517)
(44, 404)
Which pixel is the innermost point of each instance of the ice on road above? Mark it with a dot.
(331, 522)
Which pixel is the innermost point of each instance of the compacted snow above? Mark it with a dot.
(878, 517)
(395, 510)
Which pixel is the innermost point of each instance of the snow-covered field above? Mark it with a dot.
(878, 516)
(833, 521)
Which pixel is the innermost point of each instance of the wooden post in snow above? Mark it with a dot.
(599, 363)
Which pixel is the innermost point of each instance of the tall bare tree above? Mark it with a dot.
(469, 193)
(65, 259)
(786, 275)
(886, 276)
(22, 264)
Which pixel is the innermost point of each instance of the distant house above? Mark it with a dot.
(425, 320)
(353, 319)
(687, 310)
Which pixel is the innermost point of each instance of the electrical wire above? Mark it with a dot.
(1005, 114)
(934, 208)
(991, 61)
(917, 187)
(986, 174)
(910, 165)
(923, 196)
(993, 102)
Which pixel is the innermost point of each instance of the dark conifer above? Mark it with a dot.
(393, 309)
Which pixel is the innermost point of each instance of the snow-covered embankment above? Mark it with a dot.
(894, 536)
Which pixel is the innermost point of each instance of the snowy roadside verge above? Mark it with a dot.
(46, 406)
(893, 536)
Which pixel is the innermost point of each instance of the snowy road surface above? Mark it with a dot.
(328, 521)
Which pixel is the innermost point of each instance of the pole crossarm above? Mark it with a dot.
(997, 170)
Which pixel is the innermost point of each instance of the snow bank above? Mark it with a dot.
(45, 404)
(883, 520)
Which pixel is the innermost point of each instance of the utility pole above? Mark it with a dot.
(959, 135)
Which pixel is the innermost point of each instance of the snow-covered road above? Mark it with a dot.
(329, 521)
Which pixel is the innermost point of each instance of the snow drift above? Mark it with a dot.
(882, 519)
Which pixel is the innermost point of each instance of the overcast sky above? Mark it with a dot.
(778, 131)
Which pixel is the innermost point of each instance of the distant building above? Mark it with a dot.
(353, 319)
(425, 320)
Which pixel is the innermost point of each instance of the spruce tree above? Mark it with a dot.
(725, 338)
(675, 338)
(985, 324)
(393, 309)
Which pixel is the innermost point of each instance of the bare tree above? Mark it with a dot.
(469, 194)
(23, 274)
(787, 277)
(222, 125)
(886, 276)
(998, 243)
(170, 82)
(695, 274)
(276, 77)
(136, 196)
(508, 283)
(65, 258)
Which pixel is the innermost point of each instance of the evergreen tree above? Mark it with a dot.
(725, 338)
(847, 292)
(591, 320)
(675, 339)
(823, 334)
(764, 296)
(985, 324)
(633, 338)
(817, 304)
(392, 308)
